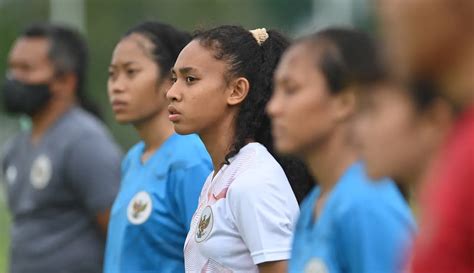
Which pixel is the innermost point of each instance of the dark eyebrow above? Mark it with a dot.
(125, 64)
(183, 70)
(282, 80)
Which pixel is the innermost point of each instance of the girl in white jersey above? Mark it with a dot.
(244, 221)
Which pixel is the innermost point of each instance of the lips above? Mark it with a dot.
(118, 105)
(277, 130)
(174, 114)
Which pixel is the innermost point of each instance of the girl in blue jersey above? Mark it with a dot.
(162, 175)
(348, 223)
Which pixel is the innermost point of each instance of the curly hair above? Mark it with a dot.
(245, 57)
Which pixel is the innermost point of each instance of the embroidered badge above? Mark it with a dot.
(10, 174)
(41, 172)
(139, 209)
(205, 225)
(315, 265)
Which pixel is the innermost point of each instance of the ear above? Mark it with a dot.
(64, 85)
(238, 91)
(345, 104)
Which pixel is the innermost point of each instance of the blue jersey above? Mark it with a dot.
(364, 227)
(152, 212)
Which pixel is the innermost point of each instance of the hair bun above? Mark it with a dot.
(260, 35)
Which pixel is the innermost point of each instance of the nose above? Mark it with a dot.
(273, 106)
(173, 93)
(116, 85)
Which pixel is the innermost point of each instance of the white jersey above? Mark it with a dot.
(245, 216)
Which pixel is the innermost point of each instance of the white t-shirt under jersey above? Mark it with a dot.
(245, 216)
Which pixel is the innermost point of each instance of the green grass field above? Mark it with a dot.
(4, 236)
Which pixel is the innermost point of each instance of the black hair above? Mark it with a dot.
(69, 54)
(256, 62)
(351, 57)
(346, 57)
(167, 41)
(423, 93)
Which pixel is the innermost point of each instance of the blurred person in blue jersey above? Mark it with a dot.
(162, 175)
(348, 223)
(63, 174)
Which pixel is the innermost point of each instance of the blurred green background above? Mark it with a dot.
(104, 21)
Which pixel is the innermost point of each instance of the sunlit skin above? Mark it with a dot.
(301, 107)
(309, 121)
(133, 85)
(137, 92)
(395, 138)
(204, 101)
(28, 61)
(199, 93)
(415, 33)
(432, 39)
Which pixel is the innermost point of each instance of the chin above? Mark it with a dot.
(373, 172)
(285, 148)
(182, 130)
(122, 120)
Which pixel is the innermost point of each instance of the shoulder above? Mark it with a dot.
(361, 197)
(13, 143)
(306, 208)
(134, 153)
(81, 125)
(258, 175)
(186, 151)
(9, 149)
(308, 202)
(135, 150)
(80, 132)
(254, 160)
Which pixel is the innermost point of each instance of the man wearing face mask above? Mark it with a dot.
(63, 174)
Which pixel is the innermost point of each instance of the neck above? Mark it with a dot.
(154, 132)
(46, 117)
(328, 161)
(218, 140)
(458, 82)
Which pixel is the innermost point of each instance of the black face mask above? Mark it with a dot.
(19, 97)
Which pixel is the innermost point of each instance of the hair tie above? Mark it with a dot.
(260, 35)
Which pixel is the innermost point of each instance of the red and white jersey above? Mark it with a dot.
(245, 216)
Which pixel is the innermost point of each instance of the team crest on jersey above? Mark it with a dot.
(139, 209)
(315, 265)
(205, 225)
(41, 172)
(11, 174)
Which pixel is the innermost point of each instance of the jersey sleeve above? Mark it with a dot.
(93, 170)
(371, 238)
(263, 217)
(186, 185)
